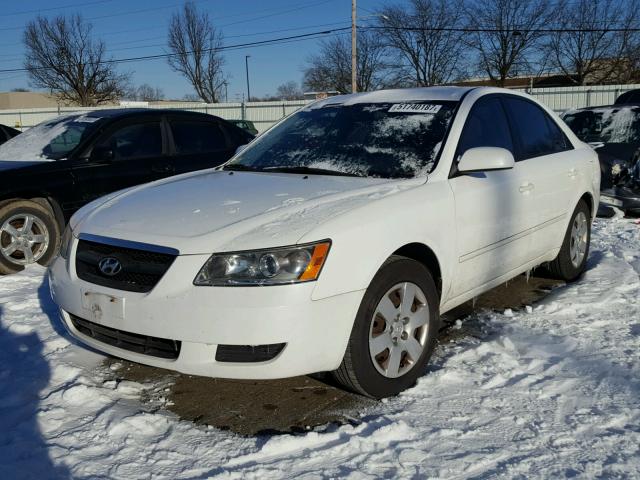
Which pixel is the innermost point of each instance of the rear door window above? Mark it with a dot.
(536, 133)
(197, 137)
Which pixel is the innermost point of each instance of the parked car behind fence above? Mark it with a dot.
(246, 125)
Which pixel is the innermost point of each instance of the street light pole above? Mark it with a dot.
(354, 57)
(246, 65)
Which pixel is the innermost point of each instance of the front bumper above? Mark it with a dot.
(622, 198)
(201, 318)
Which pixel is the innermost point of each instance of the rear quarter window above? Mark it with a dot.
(197, 136)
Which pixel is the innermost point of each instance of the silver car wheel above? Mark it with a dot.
(399, 330)
(24, 239)
(579, 238)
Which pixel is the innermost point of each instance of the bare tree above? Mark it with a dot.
(145, 93)
(587, 50)
(62, 56)
(419, 33)
(191, 97)
(330, 69)
(289, 91)
(195, 45)
(505, 32)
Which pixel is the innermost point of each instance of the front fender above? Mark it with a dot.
(365, 237)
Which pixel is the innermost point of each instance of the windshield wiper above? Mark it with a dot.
(309, 171)
(239, 167)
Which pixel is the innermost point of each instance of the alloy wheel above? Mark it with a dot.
(579, 234)
(399, 330)
(24, 239)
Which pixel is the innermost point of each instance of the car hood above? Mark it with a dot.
(223, 211)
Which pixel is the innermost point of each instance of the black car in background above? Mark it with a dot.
(7, 133)
(629, 97)
(246, 125)
(614, 132)
(56, 167)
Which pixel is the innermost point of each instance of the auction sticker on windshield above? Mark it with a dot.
(415, 108)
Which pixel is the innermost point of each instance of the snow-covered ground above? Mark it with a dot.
(547, 392)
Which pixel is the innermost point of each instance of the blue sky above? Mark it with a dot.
(136, 28)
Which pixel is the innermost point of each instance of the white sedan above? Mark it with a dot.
(334, 241)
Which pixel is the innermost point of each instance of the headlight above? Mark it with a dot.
(65, 243)
(277, 266)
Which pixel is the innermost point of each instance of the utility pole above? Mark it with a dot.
(354, 56)
(246, 65)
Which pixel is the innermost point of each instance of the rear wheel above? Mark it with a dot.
(571, 261)
(394, 332)
(29, 234)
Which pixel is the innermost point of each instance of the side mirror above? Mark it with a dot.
(482, 159)
(102, 153)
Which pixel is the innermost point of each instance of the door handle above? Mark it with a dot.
(573, 173)
(526, 187)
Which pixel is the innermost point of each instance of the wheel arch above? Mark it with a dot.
(427, 257)
(49, 203)
(588, 198)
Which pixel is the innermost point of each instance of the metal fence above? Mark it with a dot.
(262, 114)
(265, 114)
(565, 98)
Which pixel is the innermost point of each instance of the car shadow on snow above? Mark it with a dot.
(24, 373)
(50, 309)
(300, 404)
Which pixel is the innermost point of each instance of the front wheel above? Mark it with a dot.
(29, 234)
(394, 332)
(571, 261)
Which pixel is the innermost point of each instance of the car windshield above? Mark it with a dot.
(387, 140)
(606, 125)
(50, 140)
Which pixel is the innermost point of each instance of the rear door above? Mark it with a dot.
(139, 155)
(492, 208)
(199, 143)
(553, 164)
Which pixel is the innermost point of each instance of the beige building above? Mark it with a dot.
(14, 100)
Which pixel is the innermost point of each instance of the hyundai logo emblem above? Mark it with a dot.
(110, 266)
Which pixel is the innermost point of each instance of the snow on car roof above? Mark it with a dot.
(397, 95)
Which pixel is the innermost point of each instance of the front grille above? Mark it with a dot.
(133, 342)
(141, 269)
(248, 353)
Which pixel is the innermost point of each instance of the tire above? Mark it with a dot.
(42, 239)
(364, 373)
(566, 266)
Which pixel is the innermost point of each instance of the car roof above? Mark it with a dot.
(398, 95)
(130, 112)
(603, 107)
